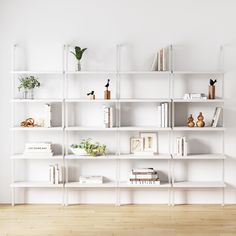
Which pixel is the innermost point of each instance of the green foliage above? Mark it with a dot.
(78, 52)
(28, 82)
(93, 149)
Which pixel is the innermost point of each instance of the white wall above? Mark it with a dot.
(195, 28)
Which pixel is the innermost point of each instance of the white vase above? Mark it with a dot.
(79, 66)
(79, 151)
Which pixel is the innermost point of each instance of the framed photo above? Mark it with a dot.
(150, 142)
(136, 145)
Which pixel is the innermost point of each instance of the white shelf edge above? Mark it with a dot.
(199, 72)
(200, 157)
(79, 185)
(35, 184)
(200, 129)
(35, 157)
(36, 129)
(132, 128)
(144, 72)
(18, 100)
(89, 72)
(199, 184)
(36, 72)
(179, 100)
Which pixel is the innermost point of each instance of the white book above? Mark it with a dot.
(164, 59)
(91, 179)
(111, 117)
(166, 116)
(155, 63)
(52, 174)
(138, 182)
(143, 176)
(159, 61)
(159, 116)
(106, 117)
(216, 116)
(38, 145)
(56, 174)
(143, 170)
(184, 145)
(179, 146)
(48, 118)
(162, 115)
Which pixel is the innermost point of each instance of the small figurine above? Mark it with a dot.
(29, 122)
(107, 93)
(200, 122)
(91, 95)
(190, 121)
(211, 91)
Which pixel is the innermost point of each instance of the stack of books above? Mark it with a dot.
(216, 117)
(144, 176)
(195, 96)
(38, 149)
(163, 114)
(55, 174)
(108, 117)
(161, 60)
(91, 179)
(182, 146)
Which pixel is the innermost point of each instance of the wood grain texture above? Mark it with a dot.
(104, 220)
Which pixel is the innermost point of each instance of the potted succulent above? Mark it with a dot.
(78, 55)
(87, 147)
(28, 84)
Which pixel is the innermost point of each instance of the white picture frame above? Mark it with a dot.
(150, 142)
(136, 145)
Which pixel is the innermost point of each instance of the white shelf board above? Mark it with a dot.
(144, 157)
(79, 185)
(200, 129)
(129, 185)
(199, 72)
(145, 72)
(205, 184)
(200, 157)
(143, 128)
(74, 157)
(36, 129)
(127, 100)
(68, 100)
(78, 128)
(180, 100)
(21, 156)
(36, 72)
(90, 72)
(41, 100)
(35, 184)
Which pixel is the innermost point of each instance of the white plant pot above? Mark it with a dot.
(79, 152)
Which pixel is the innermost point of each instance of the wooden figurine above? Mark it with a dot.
(200, 122)
(107, 93)
(211, 90)
(190, 121)
(91, 95)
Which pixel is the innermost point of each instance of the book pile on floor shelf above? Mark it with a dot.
(55, 174)
(38, 149)
(91, 179)
(144, 176)
(182, 146)
(163, 113)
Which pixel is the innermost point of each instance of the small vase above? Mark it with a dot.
(78, 66)
(31, 94)
(211, 92)
(25, 94)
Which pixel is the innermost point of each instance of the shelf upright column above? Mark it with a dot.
(12, 123)
(117, 125)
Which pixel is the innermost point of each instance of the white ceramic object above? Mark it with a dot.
(79, 152)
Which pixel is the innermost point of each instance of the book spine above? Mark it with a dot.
(164, 59)
(56, 175)
(111, 117)
(159, 116)
(166, 114)
(47, 121)
(155, 63)
(106, 117)
(52, 174)
(162, 115)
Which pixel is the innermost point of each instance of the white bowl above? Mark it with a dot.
(79, 151)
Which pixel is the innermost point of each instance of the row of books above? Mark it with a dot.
(161, 60)
(163, 115)
(108, 116)
(38, 149)
(182, 146)
(55, 174)
(144, 176)
(216, 117)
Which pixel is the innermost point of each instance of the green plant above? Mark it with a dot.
(93, 149)
(28, 82)
(78, 52)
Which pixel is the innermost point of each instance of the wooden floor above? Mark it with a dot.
(132, 220)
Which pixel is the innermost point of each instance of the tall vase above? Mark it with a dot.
(211, 92)
(78, 65)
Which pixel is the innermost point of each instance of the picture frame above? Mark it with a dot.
(149, 142)
(136, 145)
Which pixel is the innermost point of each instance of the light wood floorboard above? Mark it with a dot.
(104, 220)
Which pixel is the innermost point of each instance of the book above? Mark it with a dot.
(159, 116)
(140, 182)
(47, 120)
(143, 171)
(181, 146)
(155, 63)
(162, 115)
(216, 117)
(91, 179)
(108, 117)
(143, 176)
(52, 174)
(166, 116)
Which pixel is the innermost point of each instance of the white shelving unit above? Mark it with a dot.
(117, 157)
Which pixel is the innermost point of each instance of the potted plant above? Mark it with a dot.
(28, 84)
(78, 55)
(87, 147)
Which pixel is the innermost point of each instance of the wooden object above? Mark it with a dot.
(190, 121)
(200, 122)
(211, 92)
(107, 94)
(29, 122)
